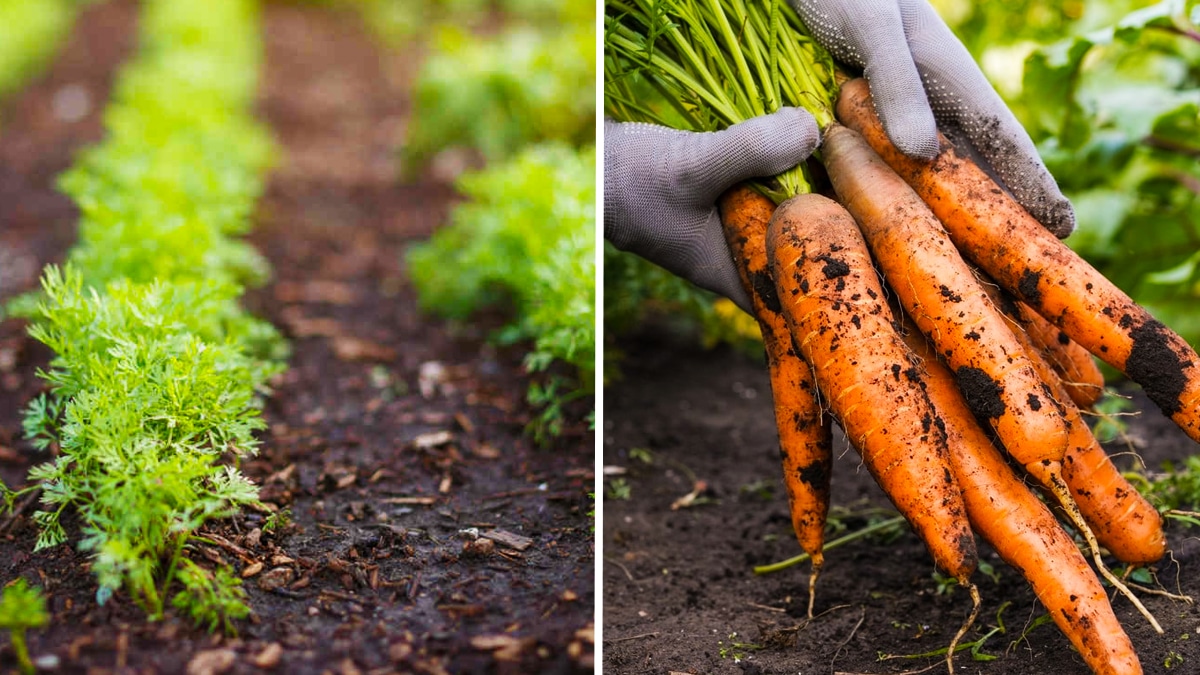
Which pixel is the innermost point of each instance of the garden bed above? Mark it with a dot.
(679, 591)
(394, 439)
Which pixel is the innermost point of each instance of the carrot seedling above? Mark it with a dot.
(21, 608)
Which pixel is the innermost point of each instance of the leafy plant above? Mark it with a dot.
(398, 22)
(22, 608)
(1177, 488)
(212, 599)
(524, 239)
(638, 293)
(30, 33)
(158, 374)
(619, 489)
(500, 93)
(736, 649)
(278, 521)
(641, 456)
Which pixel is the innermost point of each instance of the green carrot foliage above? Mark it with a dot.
(30, 33)
(524, 237)
(704, 65)
(497, 94)
(158, 374)
(22, 608)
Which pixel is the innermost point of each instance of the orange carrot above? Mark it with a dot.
(1122, 520)
(1074, 365)
(1024, 532)
(990, 228)
(939, 290)
(805, 442)
(840, 321)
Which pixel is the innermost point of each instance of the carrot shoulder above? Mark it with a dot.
(939, 291)
(805, 441)
(840, 321)
(989, 227)
(1024, 532)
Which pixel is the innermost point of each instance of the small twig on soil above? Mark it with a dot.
(804, 624)
(841, 645)
(514, 493)
(222, 542)
(293, 595)
(423, 501)
(348, 597)
(633, 637)
(767, 607)
(509, 539)
(698, 488)
(623, 569)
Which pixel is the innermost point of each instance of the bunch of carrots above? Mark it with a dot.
(960, 374)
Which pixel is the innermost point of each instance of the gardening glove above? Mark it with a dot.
(661, 184)
(919, 72)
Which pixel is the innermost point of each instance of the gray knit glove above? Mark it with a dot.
(918, 72)
(660, 186)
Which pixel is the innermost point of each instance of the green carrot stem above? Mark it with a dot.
(705, 65)
(840, 541)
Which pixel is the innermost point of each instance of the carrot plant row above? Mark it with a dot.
(498, 94)
(158, 374)
(30, 31)
(398, 23)
(523, 101)
(928, 314)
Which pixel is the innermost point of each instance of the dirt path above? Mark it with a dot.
(394, 439)
(679, 594)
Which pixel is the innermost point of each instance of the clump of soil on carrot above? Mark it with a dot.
(428, 534)
(679, 591)
(1153, 362)
(982, 393)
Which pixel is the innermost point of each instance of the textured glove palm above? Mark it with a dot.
(919, 72)
(660, 186)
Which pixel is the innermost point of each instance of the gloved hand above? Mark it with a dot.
(918, 71)
(660, 187)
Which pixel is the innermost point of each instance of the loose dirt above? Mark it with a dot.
(679, 591)
(428, 533)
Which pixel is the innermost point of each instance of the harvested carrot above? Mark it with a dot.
(1024, 532)
(805, 442)
(1074, 365)
(939, 290)
(1121, 519)
(840, 321)
(990, 228)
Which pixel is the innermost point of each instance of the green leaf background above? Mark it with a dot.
(1110, 92)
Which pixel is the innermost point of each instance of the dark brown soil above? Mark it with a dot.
(394, 438)
(679, 592)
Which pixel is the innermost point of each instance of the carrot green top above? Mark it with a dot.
(704, 65)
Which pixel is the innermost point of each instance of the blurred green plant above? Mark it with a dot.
(638, 293)
(31, 31)
(497, 94)
(524, 239)
(397, 22)
(22, 607)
